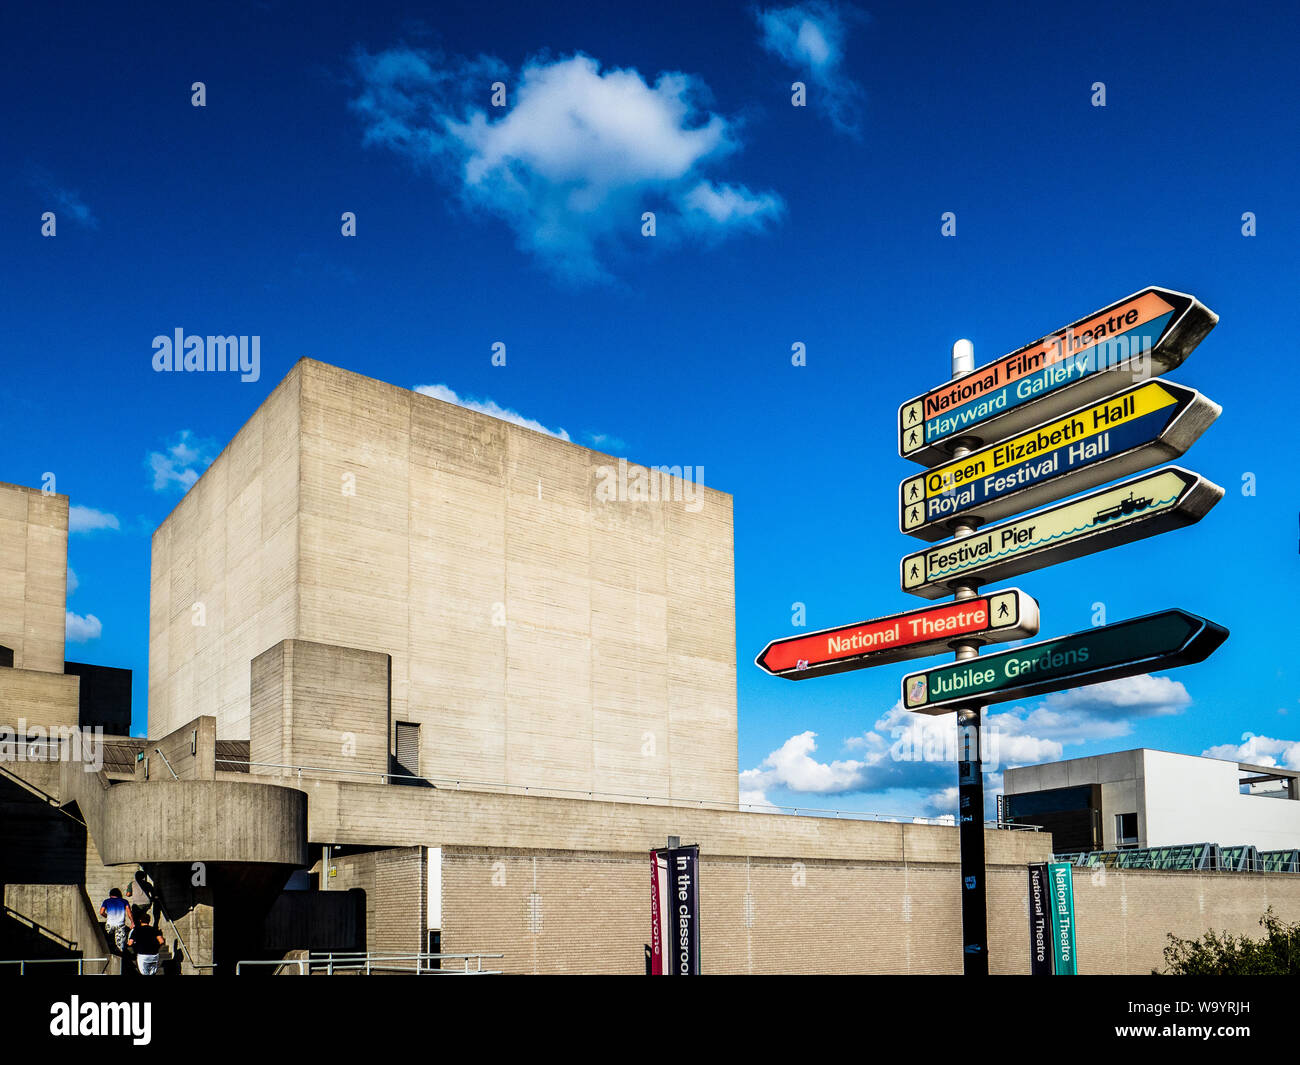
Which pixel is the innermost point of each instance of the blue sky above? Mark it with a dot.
(775, 225)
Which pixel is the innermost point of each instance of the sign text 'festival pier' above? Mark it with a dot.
(1153, 503)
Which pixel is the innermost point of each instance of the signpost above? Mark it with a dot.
(1137, 428)
(1062, 415)
(1108, 652)
(993, 617)
(1152, 503)
(1145, 335)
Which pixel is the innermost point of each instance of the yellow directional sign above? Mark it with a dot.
(1093, 444)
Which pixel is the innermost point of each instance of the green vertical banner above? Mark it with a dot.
(1061, 879)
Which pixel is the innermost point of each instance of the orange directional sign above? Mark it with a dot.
(1138, 338)
(993, 617)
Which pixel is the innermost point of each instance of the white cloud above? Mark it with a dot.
(1140, 696)
(731, 205)
(73, 583)
(488, 407)
(1259, 750)
(181, 464)
(755, 802)
(87, 519)
(573, 161)
(792, 766)
(916, 752)
(67, 203)
(79, 629)
(809, 38)
(70, 203)
(604, 442)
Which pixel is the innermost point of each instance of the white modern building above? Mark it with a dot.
(1146, 798)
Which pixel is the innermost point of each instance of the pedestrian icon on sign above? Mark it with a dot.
(911, 437)
(912, 491)
(915, 572)
(1002, 610)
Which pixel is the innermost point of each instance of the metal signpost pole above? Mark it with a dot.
(970, 770)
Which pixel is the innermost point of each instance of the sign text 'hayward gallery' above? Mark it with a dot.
(1148, 334)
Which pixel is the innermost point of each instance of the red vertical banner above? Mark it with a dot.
(656, 919)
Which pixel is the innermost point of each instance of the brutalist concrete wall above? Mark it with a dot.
(33, 576)
(35, 697)
(322, 707)
(224, 574)
(542, 634)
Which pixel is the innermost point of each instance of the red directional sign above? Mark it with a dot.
(992, 617)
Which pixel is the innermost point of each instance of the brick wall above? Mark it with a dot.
(767, 915)
(394, 884)
(1123, 917)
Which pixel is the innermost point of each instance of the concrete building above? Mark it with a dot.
(424, 680)
(540, 634)
(1146, 798)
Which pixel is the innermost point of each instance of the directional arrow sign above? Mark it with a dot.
(994, 617)
(1153, 503)
(1139, 427)
(1146, 335)
(1156, 641)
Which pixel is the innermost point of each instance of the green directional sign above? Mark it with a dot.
(1156, 502)
(1108, 652)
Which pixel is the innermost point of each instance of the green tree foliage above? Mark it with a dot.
(1223, 954)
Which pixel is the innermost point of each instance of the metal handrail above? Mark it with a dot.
(22, 963)
(185, 951)
(167, 763)
(36, 926)
(945, 822)
(363, 961)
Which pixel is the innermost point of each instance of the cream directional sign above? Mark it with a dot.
(1147, 334)
(1135, 429)
(1143, 506)
(1125, 649)
(993, 617)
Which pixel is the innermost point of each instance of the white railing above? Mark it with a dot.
(80, 963)
(366, 964)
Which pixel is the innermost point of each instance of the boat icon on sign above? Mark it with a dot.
(1123, 508)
